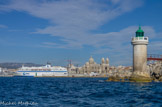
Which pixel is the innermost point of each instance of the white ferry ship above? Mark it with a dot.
(42, 71)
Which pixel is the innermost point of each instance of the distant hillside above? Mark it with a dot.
(12, 65)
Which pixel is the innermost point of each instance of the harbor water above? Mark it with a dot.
(74, 92)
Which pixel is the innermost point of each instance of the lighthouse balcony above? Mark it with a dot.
(140, 40)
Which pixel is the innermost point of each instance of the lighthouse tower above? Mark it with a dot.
(140, 43)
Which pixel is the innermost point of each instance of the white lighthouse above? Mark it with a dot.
(140, 43)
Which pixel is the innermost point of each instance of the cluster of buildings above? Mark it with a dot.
(91, 68)
(6, 72)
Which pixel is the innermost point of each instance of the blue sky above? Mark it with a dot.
(57, 30)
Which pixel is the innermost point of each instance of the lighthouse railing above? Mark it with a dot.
(140, 39)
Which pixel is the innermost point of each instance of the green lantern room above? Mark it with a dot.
(139, 32)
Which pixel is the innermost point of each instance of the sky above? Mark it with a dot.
(60, 30)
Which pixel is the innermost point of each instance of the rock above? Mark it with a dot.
(155, 70)
(140, 79)
(160, 79)
(113, 78)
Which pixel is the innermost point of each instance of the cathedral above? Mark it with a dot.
(91, 66)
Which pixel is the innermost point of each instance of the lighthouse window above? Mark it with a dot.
(140, 34)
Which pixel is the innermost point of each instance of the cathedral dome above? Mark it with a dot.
(91, 60)
(103, 61)
(107, 60)
(87, 64)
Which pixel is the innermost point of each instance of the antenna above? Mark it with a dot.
(48, 63)
(69, 62)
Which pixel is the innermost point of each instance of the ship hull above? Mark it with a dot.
(41, 73)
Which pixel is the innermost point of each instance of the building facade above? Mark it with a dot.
(91, 67)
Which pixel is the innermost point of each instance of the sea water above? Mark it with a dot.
(74, 92)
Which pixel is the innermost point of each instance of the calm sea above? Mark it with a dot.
(74, 92)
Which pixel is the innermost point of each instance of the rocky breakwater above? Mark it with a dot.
(155, 70)
(119, 73)
(124, 74)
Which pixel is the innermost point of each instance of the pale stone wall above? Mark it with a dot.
(140, 58)
(103, 69)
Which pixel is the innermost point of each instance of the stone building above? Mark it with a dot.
(91, 67)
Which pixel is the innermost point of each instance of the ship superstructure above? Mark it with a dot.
(42, 71)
